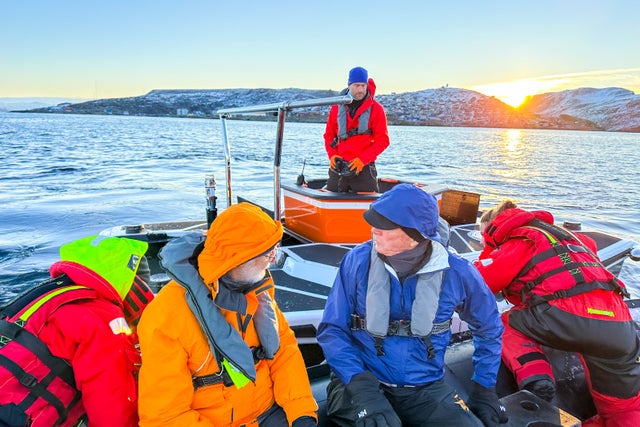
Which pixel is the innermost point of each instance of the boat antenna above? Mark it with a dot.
(300, 180)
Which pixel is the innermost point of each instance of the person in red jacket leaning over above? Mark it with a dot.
(564, 298)
(354, 137)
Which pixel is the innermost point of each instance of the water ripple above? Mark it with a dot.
(66, 176)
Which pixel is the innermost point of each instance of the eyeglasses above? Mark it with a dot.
(271, 252)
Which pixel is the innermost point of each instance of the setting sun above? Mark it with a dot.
(514, 93)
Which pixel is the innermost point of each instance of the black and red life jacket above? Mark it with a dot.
(562, 267)
(37, 388)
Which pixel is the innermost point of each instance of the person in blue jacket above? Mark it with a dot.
(385, 326)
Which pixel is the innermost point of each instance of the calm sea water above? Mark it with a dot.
(66, 176)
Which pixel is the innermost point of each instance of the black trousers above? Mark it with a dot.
(366, 180)
(611, 350)
(433, 405)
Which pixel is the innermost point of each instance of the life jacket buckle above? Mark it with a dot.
(4, 340)
(560, 294)
(431, 352)
(400, 328)
(219, 377)
(8, 331)
(28, 380)
(379, 347)
(357, 322)
(258, 354)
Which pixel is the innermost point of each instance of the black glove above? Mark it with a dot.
(304, 422)
(371, 408)
(484, 402)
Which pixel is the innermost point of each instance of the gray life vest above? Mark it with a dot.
(424, 308)
(224, 340)
(363, 124)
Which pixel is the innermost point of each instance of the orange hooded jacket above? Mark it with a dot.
(175, 348)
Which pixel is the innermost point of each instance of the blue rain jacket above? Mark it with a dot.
(350, 352)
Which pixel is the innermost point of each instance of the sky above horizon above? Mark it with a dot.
(502, 48)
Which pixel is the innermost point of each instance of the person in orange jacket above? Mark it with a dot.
(564, 298)
(71, 340)
(355, 135)
(216, 349)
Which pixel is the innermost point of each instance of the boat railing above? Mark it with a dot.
(281, 109)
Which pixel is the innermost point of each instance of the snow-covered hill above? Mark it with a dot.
(460, 107)
(613, 109)
(14, 104)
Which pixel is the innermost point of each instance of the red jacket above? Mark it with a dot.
(512, 241)
(91, 335)
(366, 147)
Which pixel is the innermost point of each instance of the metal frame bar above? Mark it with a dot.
(281, 110)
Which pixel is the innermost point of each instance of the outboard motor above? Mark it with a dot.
(210, 190)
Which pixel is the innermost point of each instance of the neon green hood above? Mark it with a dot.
(115, 259)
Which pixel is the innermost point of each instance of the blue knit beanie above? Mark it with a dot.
(358, 75)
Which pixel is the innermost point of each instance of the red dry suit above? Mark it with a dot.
(565, 299)
(80, 321)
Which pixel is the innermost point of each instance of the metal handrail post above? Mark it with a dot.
(227, 157)
(277, 158)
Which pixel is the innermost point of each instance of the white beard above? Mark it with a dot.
(248, 273)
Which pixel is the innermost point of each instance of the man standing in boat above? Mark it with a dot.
(354, 137)
(385, 326)
(216, 349)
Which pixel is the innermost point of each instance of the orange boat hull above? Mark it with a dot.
(326, 217)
